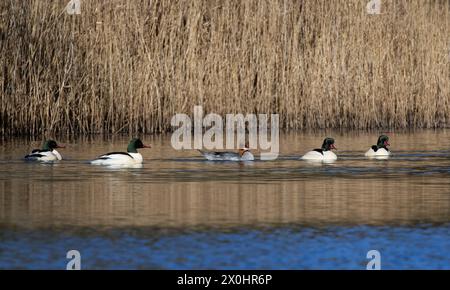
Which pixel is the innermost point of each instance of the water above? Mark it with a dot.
(181, 212)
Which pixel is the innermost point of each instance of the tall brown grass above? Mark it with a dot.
(128, 66)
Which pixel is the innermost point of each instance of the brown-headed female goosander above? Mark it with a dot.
(244, 154)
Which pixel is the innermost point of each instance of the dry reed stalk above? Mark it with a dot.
(129, 66)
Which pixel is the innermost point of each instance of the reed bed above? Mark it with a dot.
(129, 66)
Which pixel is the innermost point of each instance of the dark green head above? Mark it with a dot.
(50, 145)
(135, 144)
(328, 144)
(383, 142)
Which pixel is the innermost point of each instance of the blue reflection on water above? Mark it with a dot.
(276, 248)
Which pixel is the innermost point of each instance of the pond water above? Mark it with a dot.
(181, 212)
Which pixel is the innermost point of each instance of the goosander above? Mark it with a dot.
(379, 150)
(322, 154)
(47, 153)
(131, 157)
(244, 154)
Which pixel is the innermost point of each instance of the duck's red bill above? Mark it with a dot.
(60, 146)
(333, 147)
(147, 146)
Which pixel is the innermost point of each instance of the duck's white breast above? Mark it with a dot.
(329, 156)
(48, 156)
(137, 157)
(56, 153)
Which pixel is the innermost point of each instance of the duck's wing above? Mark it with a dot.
(115, 155)
(37, 154)
(34, 156)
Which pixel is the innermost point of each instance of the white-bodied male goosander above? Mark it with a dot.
(131, 157)
(244, 154)
(379, 150)
(48, 152)
(322, 154)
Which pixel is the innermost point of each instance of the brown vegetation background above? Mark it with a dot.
(129, 66)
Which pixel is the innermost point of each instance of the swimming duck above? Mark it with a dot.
(47, 153)
(322, 154)
(244, 154)
(131, 157)
(380, 149)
